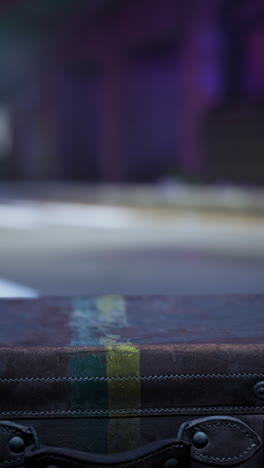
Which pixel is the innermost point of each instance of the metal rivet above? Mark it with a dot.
(200, 439)
(259, 390)
(16, 444)
(171, 463)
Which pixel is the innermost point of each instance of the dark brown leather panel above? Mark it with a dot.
(180, 380)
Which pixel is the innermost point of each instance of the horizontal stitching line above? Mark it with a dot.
(147, 377)
(235, 457)
(134, 411)
(12, 460)
(9, 429)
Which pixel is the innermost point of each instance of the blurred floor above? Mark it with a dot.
(58, 248)
(168, 193)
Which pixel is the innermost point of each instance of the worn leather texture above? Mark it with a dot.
(73, 401)
(228, 442)
(181, 379)
(109, 375)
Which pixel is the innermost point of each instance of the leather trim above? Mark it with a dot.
(230, 440)
(135, 411)
(9, 430)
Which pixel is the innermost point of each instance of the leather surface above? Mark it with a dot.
(230, 441)
(185, 380)
(132, 371)
(152, 456)
(8, 431)
(157, 320)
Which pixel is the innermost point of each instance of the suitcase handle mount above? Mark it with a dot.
(213, 441)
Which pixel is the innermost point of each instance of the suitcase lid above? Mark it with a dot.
(115, 320)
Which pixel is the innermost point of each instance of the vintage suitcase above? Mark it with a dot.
(132, 382)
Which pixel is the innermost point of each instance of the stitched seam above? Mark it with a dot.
(227, 424)
(128, 378)
(5, 462)
(9, 429)
(135, 411)
(232, 426)
(237, 457)
(147, 457)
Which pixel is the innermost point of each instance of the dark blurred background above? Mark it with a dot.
(132, 90)
(131, 146)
